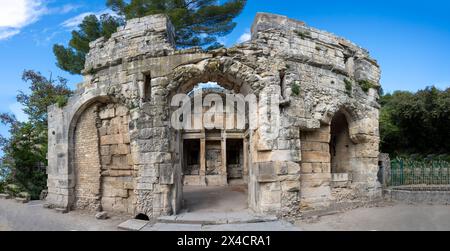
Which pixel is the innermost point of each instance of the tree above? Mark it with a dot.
(197, 23)
(416, 122)
(72, 58)
(26, 149)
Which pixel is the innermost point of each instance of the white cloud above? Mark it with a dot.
(14, 15)
(7, 33)
(244, 37)
(17, 110)
(73, 22)
(68, 8)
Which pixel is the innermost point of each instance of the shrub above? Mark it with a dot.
(348, 86)
(61, 101)
(303, 34)
(366, 85)
(13, 190)
(295, 88)
(24, 195)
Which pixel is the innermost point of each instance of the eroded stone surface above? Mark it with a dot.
(112, 147)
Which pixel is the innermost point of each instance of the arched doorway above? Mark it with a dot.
(102, 162)
(214, 161)
(341, 151)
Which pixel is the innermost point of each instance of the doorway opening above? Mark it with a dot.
(213, 163)
(341, 151)
(235, 161)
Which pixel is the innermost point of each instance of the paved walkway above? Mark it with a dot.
(215, 199)
(33, 217)
(387, 217)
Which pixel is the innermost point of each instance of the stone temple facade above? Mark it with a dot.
(112, 147)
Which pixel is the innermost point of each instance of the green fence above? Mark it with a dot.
(413, 172)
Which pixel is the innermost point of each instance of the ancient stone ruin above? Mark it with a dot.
(112, 147)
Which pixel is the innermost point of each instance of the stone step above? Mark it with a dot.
(206, 218)
(5, 196)
(61, 210)
(22, 200)
(133, 225)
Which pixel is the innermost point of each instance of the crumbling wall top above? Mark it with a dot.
(267, 21)
(149, 36)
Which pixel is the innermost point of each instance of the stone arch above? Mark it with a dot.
(353, 113)
(100, 156)
(233, 76)
(341, 145)
(228, 73)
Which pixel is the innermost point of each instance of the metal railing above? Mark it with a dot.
(424, 172)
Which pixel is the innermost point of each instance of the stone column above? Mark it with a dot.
(245, 159)
(224, 159)
(202, 161)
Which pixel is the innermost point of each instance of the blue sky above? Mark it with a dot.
(410, 39)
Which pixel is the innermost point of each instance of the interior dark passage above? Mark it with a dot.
(210, 183)
(235, 160)
(340, 145)
(191, 157)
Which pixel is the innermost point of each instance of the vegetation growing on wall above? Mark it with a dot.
(296, 89)
(348, 86)
(303, 34)
(366, 85)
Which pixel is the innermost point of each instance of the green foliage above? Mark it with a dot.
(416, 122)
(348, 86)
(196, 22)
(366, 85)
(61, 101)
(303, 34)
(25, 151)
(4, 175)
(72, 58)
(295, 89)
(13, 190)
(24, 195)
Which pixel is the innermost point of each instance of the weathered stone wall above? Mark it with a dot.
(104, 173)
(315, 73)
(117, 164)
(87, 162)
(316, 168)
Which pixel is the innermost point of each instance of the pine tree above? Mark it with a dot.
(197, 23)
(72, 58)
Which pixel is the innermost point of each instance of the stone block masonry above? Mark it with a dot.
(112, 147)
